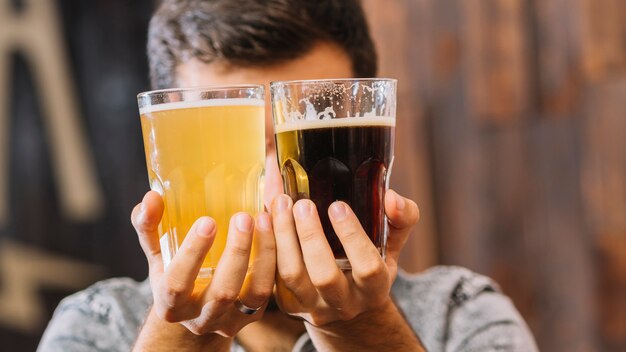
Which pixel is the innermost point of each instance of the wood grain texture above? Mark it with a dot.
(602, 38)
(523, 107)
(104, 49)
(391, 29)
(603, 189)
(555, 31)
(495, 63)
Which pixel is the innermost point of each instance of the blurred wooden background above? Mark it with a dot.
(48, 251)
(513, 140)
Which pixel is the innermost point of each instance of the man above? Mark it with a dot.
(221, 42)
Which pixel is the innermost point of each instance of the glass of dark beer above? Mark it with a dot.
(335, 141)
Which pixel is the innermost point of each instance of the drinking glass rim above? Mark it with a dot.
(200, 88)
(332, 80)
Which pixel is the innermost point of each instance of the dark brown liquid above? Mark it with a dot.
(339, 163)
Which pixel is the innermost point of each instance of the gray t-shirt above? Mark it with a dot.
(449, 308)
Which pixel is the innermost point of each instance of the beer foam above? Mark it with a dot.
(369, 121)
(202, 104)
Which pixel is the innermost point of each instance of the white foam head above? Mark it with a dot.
(368, 121)
(202, 104)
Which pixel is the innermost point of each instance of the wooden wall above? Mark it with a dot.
(514, 144)
(48, 250)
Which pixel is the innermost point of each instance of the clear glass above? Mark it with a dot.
(335, 141)
(205, 153)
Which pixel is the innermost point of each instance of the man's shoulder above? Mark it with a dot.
(448, 306)
(448, 284)
(104, 316)
(101, 296)
(431, 295)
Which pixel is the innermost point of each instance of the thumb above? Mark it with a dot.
(402, 214)
(145, 218)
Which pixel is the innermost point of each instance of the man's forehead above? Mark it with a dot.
(322, 61)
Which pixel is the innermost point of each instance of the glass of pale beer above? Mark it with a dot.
(335, 141)
(205, 152)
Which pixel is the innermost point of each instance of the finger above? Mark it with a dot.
(367, 264)
(180, 276)
(233, 265)
(318, 257)
(402, 214)
(145, 218)
(259, 282)
(291, 271)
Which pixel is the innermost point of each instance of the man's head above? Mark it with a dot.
(255, 34)
(225, 42)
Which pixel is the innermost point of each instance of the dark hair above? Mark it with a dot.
(250, 33)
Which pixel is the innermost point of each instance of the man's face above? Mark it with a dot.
(323, 61)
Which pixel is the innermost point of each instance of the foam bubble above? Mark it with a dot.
(340, 122)
(202, 104)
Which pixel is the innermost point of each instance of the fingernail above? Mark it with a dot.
(400, 203)
(205, 227)
(302, 209)
(282, 204)
(243, 222)
(264, 222)
(338, 211)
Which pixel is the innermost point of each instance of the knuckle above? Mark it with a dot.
(173, 291)
(283, 222)
(239, 249)
(415, 213)
(225, 296)
(143, 223)
(307, 235)
(351, 233)
(134, 215)
(347, 314)
(274, 205)
(291, 277)
(193, 249)
(259, 296)
(327, 282)
(270, 245)
(139, 227)
(371, 271)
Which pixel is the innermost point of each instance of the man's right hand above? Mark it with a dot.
(206, 309)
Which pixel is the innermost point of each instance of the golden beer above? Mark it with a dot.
(204, 157)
